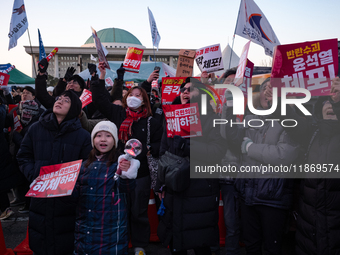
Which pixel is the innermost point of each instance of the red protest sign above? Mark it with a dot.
(308, 65)
(4, 78)
(248, 73)
(109, 81)
(11, 107)
(170, 88)
(129, 84)
(242, 65)
(183, 120)
(133, 59)
(85, 98)
(154, 84)
(17, 124)
(55, 180)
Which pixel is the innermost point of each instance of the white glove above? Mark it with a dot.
(5, 89)
(132, 172)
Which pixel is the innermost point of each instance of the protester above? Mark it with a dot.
(131, 120)
(28, 112)
(190, 219)
(318, 222)
(264, 201)
(101, 224)
(56, 138)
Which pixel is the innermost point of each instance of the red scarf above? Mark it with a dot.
(125, 127)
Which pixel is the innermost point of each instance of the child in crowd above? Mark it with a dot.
(101, 223)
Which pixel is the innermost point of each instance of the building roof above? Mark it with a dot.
(114, 35)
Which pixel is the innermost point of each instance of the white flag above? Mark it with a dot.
(93, 58)
(253, 25)
(19, 23)
(154, 31)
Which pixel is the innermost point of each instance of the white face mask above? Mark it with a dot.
(133, 102)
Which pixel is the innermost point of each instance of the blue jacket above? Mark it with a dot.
(101, 223)
(51, 224)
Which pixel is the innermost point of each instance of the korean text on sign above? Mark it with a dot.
(308, 65)
(55, 180)
(209, 58)
(133, 59)
(183, 120)
(170, 88)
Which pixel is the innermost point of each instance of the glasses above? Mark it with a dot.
(63, 99)
(184, 89)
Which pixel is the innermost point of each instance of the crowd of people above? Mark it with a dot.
(109, 204)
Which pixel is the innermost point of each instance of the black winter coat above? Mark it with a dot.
(318, 221)
(117, 114)
(191, 216)
(52, 220)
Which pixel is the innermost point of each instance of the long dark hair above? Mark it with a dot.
(110, 156)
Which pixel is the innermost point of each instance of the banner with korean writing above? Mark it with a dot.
(308, 65)
(109, 81)
(183, 120)
(100, 49)
(129, 84)
(133, 59)
(209, 58)
(85, 98)
(4, 78)
(248, 73)
(242, 65)
(55, 180)
(19, 23)
(170, 88)
(17, 124)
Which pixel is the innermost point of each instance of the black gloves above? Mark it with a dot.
(120, 72)
(92, 68)
(69, 73)
(42, 65)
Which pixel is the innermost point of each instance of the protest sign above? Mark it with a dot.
(85, 98)
(308, 65)
(209, 58)
(185, 63)
(4, 78)
(109, 81)
(133, 59)
(100, 49)
(170, 88)
(55, 180)
(183, 120)
(246, 80)
(17, 124)
(242, 65)
(129, 84)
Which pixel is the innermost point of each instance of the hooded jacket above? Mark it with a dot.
(52, 220)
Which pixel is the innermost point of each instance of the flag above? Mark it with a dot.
(42, 53)
(154, 31)
(19, 23)
(253, 25)
(93, 58)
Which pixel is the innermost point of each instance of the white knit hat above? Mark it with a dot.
(107, 126)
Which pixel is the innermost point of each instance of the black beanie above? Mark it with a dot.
(30, 89)
(75, 107)
(78, 79)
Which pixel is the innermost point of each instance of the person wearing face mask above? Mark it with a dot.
(318, 222)
(132, 120)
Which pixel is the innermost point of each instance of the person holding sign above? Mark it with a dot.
(318, 222)
(101, 225)
(56, 138)
(132, 121)
(190, 220)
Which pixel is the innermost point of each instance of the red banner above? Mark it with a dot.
(308, 65)
(183, 120)
(4, 78)
(86, 97)
(154, 84)
(17, 124)
(55, 180)
(129, 84)
(133, 59)
(170, 88)
(109, 81)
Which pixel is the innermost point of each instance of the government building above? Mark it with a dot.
(115, 40)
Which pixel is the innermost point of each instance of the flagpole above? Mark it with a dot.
(29, 38)
(154, 55)
(232, 46)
